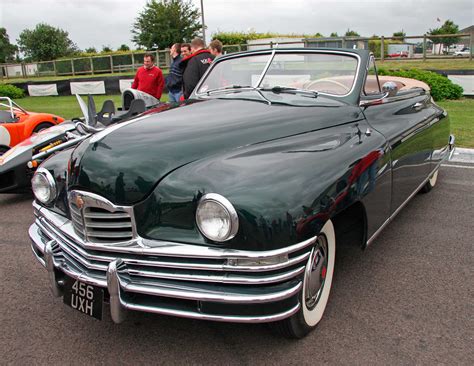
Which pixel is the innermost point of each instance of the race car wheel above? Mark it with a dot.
(42, 126)
(316, 287)
(3, 150)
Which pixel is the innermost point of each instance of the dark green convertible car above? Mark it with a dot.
(229, 206)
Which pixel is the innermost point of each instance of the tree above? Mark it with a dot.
(45, 43)
(447, 28)
(401, 34)
(123, 47)
(91, 50)
(163, 23)
(106, 49)
(333, 34)
(7, 50)
(351, 33)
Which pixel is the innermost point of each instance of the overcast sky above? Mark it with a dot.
(109, 22)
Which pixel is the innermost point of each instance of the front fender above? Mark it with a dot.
(283, 190)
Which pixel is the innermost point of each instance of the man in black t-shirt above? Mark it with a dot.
(195, 65)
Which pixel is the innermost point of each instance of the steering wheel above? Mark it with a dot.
(314, 82)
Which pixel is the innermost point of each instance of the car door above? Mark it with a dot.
(405, 120)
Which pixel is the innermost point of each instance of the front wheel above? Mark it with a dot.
(317, 283)
(431, 183)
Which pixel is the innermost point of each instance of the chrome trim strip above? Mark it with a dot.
(392, 216)
(189, 293)
(227, 279)
(218, 318)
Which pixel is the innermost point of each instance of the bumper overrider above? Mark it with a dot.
(172, 278)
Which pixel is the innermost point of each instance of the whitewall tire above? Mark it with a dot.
(317, 284)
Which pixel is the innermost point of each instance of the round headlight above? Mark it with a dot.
(216, 218)
(44, 186)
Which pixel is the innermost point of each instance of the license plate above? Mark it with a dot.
(83, 297)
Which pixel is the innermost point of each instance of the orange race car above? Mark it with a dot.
(16, 124)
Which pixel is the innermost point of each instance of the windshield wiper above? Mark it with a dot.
(288, 90)
(229, 88)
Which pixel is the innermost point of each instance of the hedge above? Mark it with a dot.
(11, 91)
(441, 87)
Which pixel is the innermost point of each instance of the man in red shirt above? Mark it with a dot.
(149, 78)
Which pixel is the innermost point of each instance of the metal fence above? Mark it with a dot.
(416, 47)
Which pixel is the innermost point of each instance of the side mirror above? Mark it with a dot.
(390, 88)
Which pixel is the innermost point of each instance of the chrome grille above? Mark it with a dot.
(105, 226)
(98, 221)
(77, 221)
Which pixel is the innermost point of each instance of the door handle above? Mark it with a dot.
(417, 106)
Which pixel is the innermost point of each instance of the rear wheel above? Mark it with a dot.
(42, 126)
(431, 183)
(317, 283)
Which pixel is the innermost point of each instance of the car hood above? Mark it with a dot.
(125, 162)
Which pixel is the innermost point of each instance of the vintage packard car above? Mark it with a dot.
(228, 207)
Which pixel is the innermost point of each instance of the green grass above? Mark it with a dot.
(67, 106)
(443, 64)
(461, 112)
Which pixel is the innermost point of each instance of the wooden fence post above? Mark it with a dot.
(111, 64)
(470, 47)
(424, 47)
(55, 68)
(133, 62)
(382, 48)
(92, 65)
(72, 68)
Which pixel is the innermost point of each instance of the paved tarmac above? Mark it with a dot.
(406, 300)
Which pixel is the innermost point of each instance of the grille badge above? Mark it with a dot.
(79, 202)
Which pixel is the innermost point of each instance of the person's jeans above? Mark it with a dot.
(174, 96)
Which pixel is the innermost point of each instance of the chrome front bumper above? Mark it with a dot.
(174, 279)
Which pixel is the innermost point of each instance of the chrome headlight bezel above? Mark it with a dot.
(49, 183)
(229, 215)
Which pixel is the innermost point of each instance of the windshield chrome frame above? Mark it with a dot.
(272, 54)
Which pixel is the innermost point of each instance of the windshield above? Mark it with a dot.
(327, 73)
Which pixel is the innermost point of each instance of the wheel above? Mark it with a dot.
(3, 150)
(42, 126)
(317, 283)
(430, 184)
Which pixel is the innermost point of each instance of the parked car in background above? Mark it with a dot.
(17, 124)
(229, 207)
(466, 51)
(398, 54)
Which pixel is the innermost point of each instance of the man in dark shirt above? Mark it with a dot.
(195, 65)
(149, 78)
(174, 80)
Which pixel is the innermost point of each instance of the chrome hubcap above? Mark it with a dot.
(315, 274)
